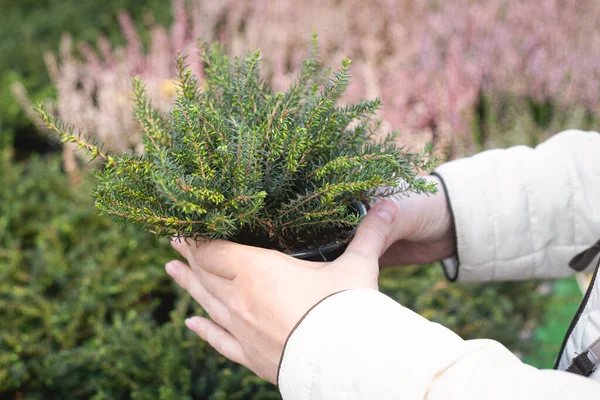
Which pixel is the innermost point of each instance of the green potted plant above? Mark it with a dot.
(235, 160)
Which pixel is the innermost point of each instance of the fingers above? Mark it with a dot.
(370, 239)
(184, 276)
(216, 285)
(183, 248)
(218, 257)
(218, 338)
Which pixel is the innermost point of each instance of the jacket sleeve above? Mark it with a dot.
(523, 213)
(360, 344)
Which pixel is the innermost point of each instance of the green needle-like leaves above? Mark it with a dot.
(235, 160)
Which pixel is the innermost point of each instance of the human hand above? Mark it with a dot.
(423, 231)
(256, 296)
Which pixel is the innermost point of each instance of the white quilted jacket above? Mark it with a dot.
(520, 213)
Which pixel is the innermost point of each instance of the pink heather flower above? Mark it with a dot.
(428, 61)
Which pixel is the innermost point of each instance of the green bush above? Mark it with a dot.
(87, 312)
(86, 309)
(235, 160)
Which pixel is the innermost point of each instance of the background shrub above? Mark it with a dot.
(87, 312)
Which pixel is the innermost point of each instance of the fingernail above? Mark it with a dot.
(386, 210)
(171, 269)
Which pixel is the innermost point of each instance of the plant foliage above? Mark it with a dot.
(86, 311)
(233, 159)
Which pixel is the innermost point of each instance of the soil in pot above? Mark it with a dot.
(328, 245)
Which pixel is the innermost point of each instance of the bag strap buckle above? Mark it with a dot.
(586, 362)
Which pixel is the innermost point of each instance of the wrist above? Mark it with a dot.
(425, 217)
(448, 228)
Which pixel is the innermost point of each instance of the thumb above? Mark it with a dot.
(373, 231)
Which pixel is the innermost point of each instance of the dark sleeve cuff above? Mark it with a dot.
(450, 265)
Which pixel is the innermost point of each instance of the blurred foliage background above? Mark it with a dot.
(29, 28)
(86, 311)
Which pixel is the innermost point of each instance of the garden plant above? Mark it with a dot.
(233, 159)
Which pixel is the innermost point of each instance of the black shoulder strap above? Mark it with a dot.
(589, 359)
(582, 260)
(580, 310)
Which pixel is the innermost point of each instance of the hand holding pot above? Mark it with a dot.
(423, 231)
(255, 296)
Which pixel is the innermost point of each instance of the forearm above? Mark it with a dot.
(361, 344)
(524, 213)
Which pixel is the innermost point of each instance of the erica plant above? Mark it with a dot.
(236, 160)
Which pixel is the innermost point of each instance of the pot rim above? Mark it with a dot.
(332, 246)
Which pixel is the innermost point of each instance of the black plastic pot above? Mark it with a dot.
(329, 251)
